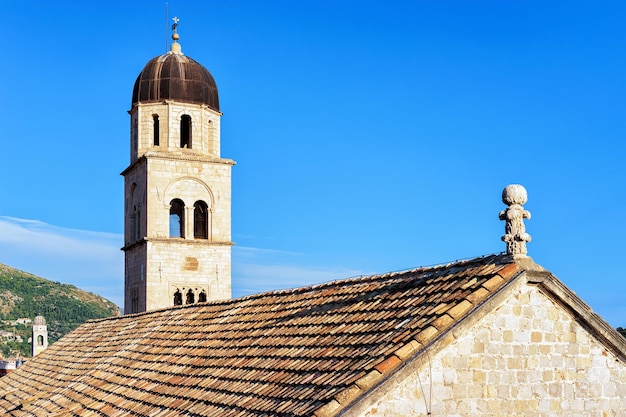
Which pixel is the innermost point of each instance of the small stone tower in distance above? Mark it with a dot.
(40, 336)
(177, 188)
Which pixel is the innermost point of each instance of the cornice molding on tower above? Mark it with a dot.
(186, 155)
(199, 242)
(177, 157)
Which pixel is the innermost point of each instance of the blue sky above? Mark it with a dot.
(369, 137)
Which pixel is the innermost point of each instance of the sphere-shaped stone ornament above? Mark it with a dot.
(514, 194)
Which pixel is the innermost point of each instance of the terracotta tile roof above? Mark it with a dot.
(307, 351)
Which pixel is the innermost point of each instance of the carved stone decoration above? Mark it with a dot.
(514, 196)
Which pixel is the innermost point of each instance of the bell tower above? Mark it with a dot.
(177, 188)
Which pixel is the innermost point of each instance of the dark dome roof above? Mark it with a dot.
(176, 77)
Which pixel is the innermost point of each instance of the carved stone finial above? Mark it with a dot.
(515, 236)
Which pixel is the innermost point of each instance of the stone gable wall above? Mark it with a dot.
(528, 357)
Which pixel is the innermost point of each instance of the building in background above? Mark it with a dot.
(9, 365)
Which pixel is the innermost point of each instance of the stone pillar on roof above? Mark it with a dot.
(514, 196)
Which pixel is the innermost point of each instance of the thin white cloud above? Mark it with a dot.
(90, 260)
(40, 236)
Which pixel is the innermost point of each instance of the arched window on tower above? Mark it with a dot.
(177, 218)
(212, 137)
(134, 300)
(202, 297)
(138, 220)
(155, 129)
(178, 298)
(191, 298)
(185, 131)
(200, 220)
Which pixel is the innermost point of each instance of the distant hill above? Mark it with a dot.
(65, 307)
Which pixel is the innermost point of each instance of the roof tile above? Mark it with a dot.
(493, 283)
(460, 309)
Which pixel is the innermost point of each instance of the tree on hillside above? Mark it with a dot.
(622, 331)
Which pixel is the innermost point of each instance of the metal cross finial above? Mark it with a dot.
(175, 47)
(514, 196)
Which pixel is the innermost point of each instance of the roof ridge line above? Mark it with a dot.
(308, 288)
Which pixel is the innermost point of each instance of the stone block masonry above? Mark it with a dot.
(528, 357)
